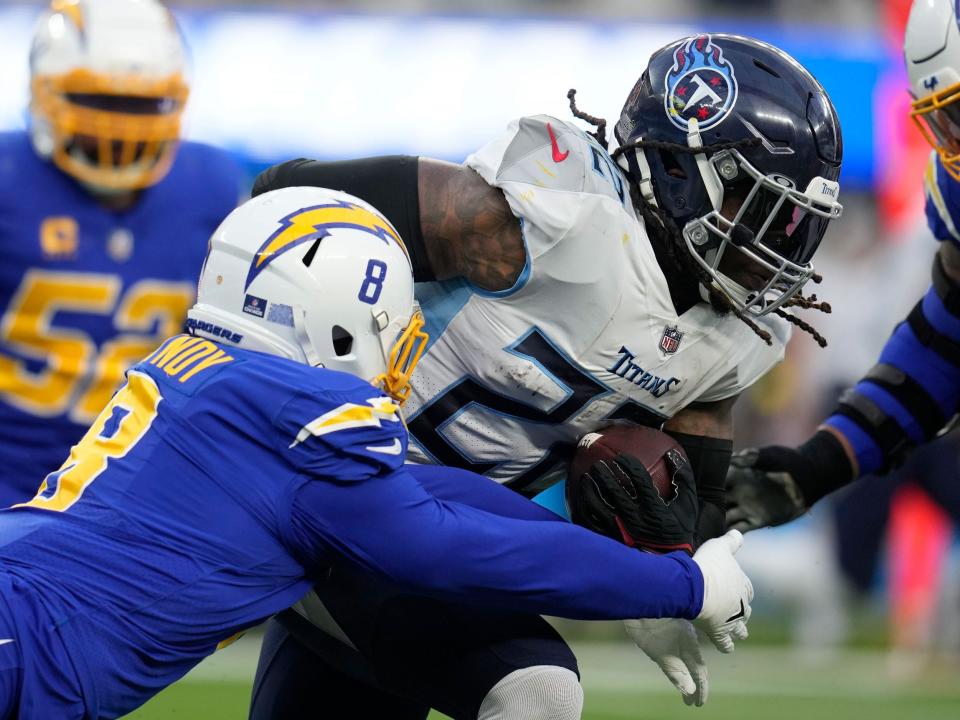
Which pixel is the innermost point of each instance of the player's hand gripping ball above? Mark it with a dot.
(634, 484)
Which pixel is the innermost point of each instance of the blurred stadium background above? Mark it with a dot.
(833, 633)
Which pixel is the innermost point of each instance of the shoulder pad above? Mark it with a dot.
(559, 181)
(545, 152)
(19, 164)
(347, 434)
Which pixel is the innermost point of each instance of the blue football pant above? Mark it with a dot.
(412, 653)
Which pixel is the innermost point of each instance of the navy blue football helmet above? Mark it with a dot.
(770, 196)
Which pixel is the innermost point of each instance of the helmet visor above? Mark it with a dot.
(781, 224)
(125, 104)
(112, 132)
(768, 231)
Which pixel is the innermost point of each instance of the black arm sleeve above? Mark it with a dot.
(710, 458)
(389, 183)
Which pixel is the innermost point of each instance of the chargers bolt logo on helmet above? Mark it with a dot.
(314, 223)
(700, 85)
(316, 276)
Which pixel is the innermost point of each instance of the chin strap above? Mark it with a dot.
(711, 181)
(303, 337)
(732, 288)
(640, 174)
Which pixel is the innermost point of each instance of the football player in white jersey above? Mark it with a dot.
(567, 288)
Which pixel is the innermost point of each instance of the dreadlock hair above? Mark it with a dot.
(675, 246)
(809, 303)
(599, 123)
(806, 327)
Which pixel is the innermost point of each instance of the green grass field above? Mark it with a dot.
(753, 684)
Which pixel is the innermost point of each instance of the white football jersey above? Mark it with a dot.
(587, 336)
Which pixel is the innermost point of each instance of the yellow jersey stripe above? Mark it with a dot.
(349, 416)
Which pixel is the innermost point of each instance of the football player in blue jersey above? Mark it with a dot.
(104, 218)
(243, 462)
(914, 390)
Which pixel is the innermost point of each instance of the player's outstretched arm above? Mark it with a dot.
(391, 525)
(462, 486)
(453, 222)
(905, 400)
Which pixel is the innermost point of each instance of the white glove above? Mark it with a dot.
(672, 644)
(727, 592)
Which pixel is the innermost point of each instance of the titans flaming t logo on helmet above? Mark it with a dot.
(701, 85)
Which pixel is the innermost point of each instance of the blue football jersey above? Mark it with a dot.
(170, 568)
(218, 482)
(86, 291)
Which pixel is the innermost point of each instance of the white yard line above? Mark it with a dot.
(620, 668)
(780, 672)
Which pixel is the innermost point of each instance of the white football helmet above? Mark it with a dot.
(317, 276)
(932, 52)
(108, 89)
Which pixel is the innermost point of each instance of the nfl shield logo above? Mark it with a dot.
(670, 340)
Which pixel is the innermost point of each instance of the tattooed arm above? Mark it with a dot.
(454, 223)
(468, 228)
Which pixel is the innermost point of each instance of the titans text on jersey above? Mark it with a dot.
(86, 291)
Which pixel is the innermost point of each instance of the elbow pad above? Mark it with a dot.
(913, 392)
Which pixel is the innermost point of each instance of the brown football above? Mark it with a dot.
(649, 446)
